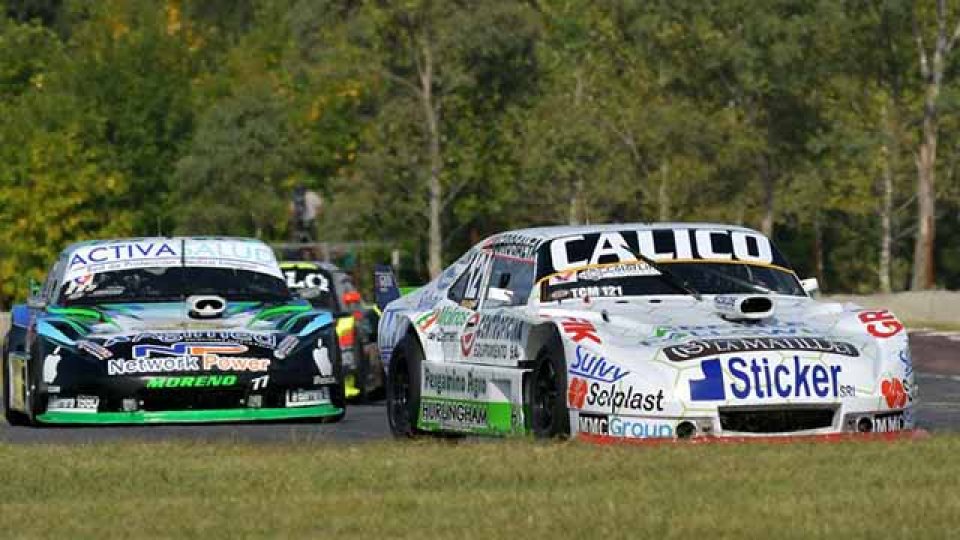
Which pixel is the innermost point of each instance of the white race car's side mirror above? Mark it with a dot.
(500, 296)
(811, 286)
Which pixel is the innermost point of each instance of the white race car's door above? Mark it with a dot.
(495, 333)
(459, 317)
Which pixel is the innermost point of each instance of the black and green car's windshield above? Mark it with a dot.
(170, 269)
(686, 260)
(168, 284)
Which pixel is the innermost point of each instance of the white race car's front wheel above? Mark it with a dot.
(546, 391)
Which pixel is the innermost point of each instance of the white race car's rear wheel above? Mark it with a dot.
(546, 391)
(403, 388)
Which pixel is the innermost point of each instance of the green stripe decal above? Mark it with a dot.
(469, 416)
(188, 417)
(279, 310)
(76, 312)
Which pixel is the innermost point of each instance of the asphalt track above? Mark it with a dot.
(936, 358)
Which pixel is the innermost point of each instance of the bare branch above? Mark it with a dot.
(953, 38)
(918, 37)
(452, 194)
(398, 79)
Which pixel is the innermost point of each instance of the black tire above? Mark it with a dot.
(14, 418)
(546, 389)
(403, 388)
(363, 368)
(338, 394)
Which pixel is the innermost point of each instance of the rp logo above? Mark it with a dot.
(710, 387)
(895, 394)
(580, 329)
(469, 335)
(191, 349)
(577, 393)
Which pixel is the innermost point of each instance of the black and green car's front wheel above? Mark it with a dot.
(16, 377)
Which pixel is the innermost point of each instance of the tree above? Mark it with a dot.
(933, 64)
(233, 178)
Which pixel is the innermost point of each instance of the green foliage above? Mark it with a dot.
(129, 116)
(228, 181)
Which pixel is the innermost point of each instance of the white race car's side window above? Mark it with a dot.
(466, 290)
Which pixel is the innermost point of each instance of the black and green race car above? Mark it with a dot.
(330, 288)
(163, 330)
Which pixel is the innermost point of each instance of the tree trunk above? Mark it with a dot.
(924, 275)
(923, 270)
(573, 218)
(577, 205)
(663, 196)
(767, 179)
(886, 227)
(818, 250)
(888, 149)
(431, 115)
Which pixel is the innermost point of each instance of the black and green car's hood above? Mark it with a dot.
(114, 333)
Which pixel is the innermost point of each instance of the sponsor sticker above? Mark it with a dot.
(455, 414)
(758, 378)
(880, 323)
(665, 244)
(890, 422)
(590, 365)
(712, 347)
(201, 381)
(625, 427)
(456, 383)
(186, 357)
(615, 398)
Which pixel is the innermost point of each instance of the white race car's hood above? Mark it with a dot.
(671, 320)
(677, 356)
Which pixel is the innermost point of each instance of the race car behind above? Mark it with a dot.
(328, 287)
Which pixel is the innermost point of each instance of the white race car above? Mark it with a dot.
(637, 331)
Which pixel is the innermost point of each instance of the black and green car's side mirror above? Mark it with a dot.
(35, 299)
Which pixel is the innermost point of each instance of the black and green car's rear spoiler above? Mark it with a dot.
(385, 288)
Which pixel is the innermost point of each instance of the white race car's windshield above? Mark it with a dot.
(639, 279)
(683, 261)
(170, 284)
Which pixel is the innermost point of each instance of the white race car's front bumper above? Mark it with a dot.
(748, 421)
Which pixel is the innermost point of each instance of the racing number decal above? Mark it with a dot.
(476, 272)
(880, 323)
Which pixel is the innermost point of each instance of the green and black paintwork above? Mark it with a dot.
(84, 349)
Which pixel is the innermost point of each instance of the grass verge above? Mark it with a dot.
(932, 325)
(503, 489)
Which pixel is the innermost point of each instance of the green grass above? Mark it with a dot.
(932, 325)
(500, 489)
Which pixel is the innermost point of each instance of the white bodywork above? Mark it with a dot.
(655, 365)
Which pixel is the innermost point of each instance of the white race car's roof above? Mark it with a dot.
(558, 231)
